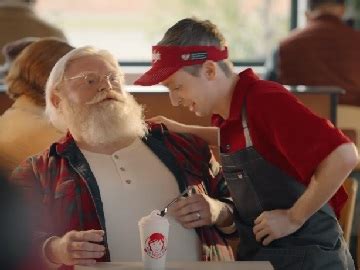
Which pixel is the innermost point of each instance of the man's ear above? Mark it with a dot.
(55, 100)
(342, 10)
(209, 69)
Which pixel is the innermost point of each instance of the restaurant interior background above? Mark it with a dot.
(129, 28)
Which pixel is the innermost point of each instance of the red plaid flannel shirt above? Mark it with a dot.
(64, 195)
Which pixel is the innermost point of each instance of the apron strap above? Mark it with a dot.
(248, 140)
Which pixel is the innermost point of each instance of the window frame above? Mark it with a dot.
(294, 19)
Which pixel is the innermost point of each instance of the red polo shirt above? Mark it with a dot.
(282, 129)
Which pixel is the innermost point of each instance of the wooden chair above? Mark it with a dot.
(351, 134)
(347, 213)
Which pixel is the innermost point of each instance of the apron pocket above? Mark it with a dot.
(337, 259)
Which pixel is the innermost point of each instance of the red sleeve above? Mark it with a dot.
(26, 179)
(301, 137)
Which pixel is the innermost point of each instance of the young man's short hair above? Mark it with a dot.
(192, 32)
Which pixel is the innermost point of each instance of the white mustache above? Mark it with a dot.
(105, 95)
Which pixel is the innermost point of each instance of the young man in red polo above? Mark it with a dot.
(284, 165)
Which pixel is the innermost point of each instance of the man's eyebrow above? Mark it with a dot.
(83, 73)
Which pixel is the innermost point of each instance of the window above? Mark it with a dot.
(353, 13)
(128, 28)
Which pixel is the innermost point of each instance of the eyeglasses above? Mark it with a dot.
(94, 80)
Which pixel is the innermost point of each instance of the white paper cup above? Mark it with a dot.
(154, 231)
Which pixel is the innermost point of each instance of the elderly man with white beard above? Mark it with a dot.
(89, 189)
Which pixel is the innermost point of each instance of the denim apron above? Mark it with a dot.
(256, 186)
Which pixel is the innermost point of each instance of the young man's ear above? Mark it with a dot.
(55, 100)
(209, 69)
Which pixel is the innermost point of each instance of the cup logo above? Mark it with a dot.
(155, 245)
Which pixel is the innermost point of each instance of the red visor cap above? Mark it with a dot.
(166, 60)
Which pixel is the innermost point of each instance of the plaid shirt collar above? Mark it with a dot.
(67, 148)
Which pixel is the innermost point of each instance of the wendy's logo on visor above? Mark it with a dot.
(156, 56)
(194, 56)
(185, 57)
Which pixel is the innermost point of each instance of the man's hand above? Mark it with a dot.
(171, 125)
(275, 224)
(200, 210)
(75, 248)
(328, 177)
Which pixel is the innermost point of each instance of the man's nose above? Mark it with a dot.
(105, 84)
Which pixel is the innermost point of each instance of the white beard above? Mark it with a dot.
(105, 122)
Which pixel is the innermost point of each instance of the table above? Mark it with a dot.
(183, 266)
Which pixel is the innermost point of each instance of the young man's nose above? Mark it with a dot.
(174, 99)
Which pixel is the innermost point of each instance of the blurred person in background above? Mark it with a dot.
(24, 129)
(18, 19)
(14, 227)
(10, 51)
(323, 53)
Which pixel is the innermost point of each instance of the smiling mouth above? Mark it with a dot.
(106, 100)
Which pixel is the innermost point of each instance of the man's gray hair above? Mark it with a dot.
(57, 75)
